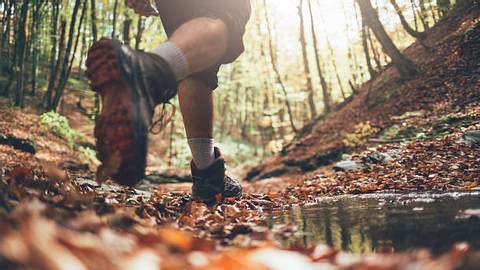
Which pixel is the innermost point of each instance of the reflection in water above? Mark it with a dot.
(388, 222)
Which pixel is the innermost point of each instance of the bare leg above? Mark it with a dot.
(203, 41)
(196, 105)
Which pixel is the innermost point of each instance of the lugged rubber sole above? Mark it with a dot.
(116, 138)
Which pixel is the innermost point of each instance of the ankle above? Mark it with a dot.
(202, 152)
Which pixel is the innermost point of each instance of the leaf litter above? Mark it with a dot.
(54, 216)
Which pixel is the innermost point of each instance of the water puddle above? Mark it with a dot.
(387, 222)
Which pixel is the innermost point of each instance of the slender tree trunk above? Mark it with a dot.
(21, 50)
(420, 36)
(7, 13)
(94, 20)
(114, 22)
(434, 15)
(327, 102)
(35, 46)
(375, 53)
(360, 26)
(373, 73)
(138, 36)
(275, 69)
(335, 69)
(83, 48)
(53, 53)
(78, 35)
(424, 15)
(352, 86)
(65, 69)
(2, 26)
(414, 12)
(306, 64)
(95, 38)
(405, 66)
(126, 30)
(6, 41)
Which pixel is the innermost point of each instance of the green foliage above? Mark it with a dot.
(77, 84)
(239, 152)
(59, 125)
(360, 136)
(88, 152)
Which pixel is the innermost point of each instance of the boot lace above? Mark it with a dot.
(163, 119)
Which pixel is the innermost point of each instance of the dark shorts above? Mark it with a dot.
(235, 14)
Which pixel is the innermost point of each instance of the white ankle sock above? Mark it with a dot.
(175, 58)
(202, 152)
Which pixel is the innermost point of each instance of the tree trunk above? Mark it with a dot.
(126, 30)
(424, 15)
(65, 69)
(325, 89)
(373, 73)
(434, 15)
(420, 36)
(138, 36)
(54, 61)
(6, 40)
(414, 12)
(335, 69)
(35, 46)
(275, 69)
(306, 64)
(7, 13)
(79, 34)
(94, 20)
(376, 54)
(83, 48)
(360, 26)
(21, 50)
(140, 28)
(114, 22)
(405, 66)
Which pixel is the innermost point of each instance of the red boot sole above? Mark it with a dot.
(115, 136)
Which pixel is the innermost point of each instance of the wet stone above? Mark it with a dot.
(348, 165)
(377, 158)
(470, 138)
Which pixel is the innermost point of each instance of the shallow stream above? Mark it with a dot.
(387, 222)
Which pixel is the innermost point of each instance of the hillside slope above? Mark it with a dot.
(449, 82)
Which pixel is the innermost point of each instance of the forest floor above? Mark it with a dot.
(421, 135)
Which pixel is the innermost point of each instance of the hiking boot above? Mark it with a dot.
(210, 182)
(131, 83)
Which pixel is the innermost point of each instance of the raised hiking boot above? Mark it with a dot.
(210, 182)
(131, 83)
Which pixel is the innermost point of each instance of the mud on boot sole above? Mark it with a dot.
(121, 145)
